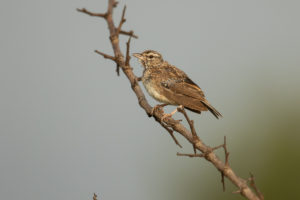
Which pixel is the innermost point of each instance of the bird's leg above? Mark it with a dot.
(157, 107)
(172, 113)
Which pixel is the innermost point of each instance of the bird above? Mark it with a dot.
(171, 86)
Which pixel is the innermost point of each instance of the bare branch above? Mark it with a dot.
(83, 10)
(172, 134)
(129, 33)
(115, 4)
(105, 55)
(253, 185)
(191, 124)
(217, 147)
(226, 153)
(191, 155)
(224, 145)
(169, 123)
(226, 162)
(223, 181)
(122, 21)
(95, 197)
(127, 52)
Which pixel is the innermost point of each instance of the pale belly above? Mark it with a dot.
(155, 93)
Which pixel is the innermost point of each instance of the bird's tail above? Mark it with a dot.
(211, 109)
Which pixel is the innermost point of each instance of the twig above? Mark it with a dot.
(172, 134)
(105, 55)
(129, 33)
(83, 10)
(122, 21)
(127, 52)
(191, 155)
(191, 124)
(236, 192)
(226, 152)
(226, 162)
(210, 156)
(224, 145)
(95, 197)
(253, 185)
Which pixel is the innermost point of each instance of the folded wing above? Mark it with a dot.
(185, 92)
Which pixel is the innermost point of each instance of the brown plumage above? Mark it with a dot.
(170, 85)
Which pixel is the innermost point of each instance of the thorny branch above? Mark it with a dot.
(171, 133)
(83, 10)
(104, 15)
(253, 185)
(170, 124)
(95, 197)
(191, 124)
(129, 33)
(105, 55)
(122, 21)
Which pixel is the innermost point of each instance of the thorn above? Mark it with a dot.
(95, 197)
(115, 4)
(118, 69)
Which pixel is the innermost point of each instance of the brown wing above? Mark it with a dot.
(179, 88)
(184, 93)
(178, 80)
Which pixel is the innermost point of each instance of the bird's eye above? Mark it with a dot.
(151, 56)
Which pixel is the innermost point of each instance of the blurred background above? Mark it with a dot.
(70, 127)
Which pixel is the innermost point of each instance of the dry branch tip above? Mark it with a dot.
(106, 55)
(191, 155)
(83, 10)
(129, 33)
(253, 185)
(127, 59)
(115, 4)
(171, 132)
(122, 21)
(192, 127)
(95, 197)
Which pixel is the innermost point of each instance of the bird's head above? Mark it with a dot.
(149, 58)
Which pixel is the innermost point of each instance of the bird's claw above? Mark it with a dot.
(166, 116)
(179, 108)
(159, 106)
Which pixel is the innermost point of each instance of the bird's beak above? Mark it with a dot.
(138, 55)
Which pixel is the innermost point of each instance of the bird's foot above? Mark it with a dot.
(172, 113)
(158, 106)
